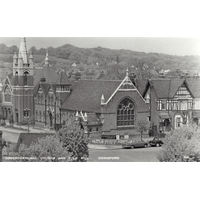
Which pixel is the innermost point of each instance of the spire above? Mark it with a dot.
(23, 50)
(47, 58)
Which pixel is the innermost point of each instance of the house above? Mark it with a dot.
(172, 103)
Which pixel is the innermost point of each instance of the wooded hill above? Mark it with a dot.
(115, 61)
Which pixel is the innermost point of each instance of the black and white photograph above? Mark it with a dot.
(104, 100)
(99, 99)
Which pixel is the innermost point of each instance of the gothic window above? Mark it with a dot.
(125, 113)
(26, 78)
(7, 94)
(36, 115)
(40, 116)
(41, 99)
(52, 100)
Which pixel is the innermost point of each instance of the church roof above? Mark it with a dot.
(86, 95)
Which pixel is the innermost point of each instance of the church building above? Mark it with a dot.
(103, 107)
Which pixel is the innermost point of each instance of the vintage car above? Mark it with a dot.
(156, 142)
(134, 144)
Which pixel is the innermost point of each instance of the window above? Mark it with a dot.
(26, 113)
(26, 78)
(36, 115)
(7, 94)
(125, 113)
(159, 105)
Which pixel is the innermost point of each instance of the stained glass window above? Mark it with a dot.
(125, 113)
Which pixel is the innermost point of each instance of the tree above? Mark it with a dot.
(182, 145)
(142, 126)
(117, 59)
(76, 142)
(47, 149)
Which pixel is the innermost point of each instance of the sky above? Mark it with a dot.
(167, 45)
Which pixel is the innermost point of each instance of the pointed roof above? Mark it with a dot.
(23, 50)
(166, 88)
(46, 72)
(194, 85)
(62, 79)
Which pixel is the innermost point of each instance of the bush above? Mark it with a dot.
(182, 145)
(76, 141)
(47, 149)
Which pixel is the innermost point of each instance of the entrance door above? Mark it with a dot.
(178, 121)
(167, 125)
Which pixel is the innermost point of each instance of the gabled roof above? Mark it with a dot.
(141, 84)
(86, 95)
(44, 87)
(194, 86)
(62, 79)
(46, 72)
(165, 88)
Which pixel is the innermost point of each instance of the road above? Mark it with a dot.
(124, 155)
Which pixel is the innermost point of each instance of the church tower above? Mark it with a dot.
(23, 84)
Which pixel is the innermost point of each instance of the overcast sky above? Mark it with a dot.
(167, 45)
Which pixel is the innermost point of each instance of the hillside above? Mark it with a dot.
(109, 63)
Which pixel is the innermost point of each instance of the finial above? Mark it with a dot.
(127, 72)
(30, 55)
(15, 55)
(102, 99)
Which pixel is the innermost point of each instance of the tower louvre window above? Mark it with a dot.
(26, 78)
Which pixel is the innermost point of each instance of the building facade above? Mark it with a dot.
(172, 103)
(104, 107)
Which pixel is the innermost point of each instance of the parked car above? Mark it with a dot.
(156, 142)
(134, 144)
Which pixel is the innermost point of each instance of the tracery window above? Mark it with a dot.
(125, 113)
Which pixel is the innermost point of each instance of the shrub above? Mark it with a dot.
(76, 142)
(182, 145)
(47, 149)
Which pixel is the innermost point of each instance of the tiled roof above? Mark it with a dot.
(194, 86)
(86, 95)
(62, 79)
(165, 88)
(46, 72)
(141, 83)
(92, 119)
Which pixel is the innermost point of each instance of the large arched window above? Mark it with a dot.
(125, 113)
(7, 94)
(26, 78)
